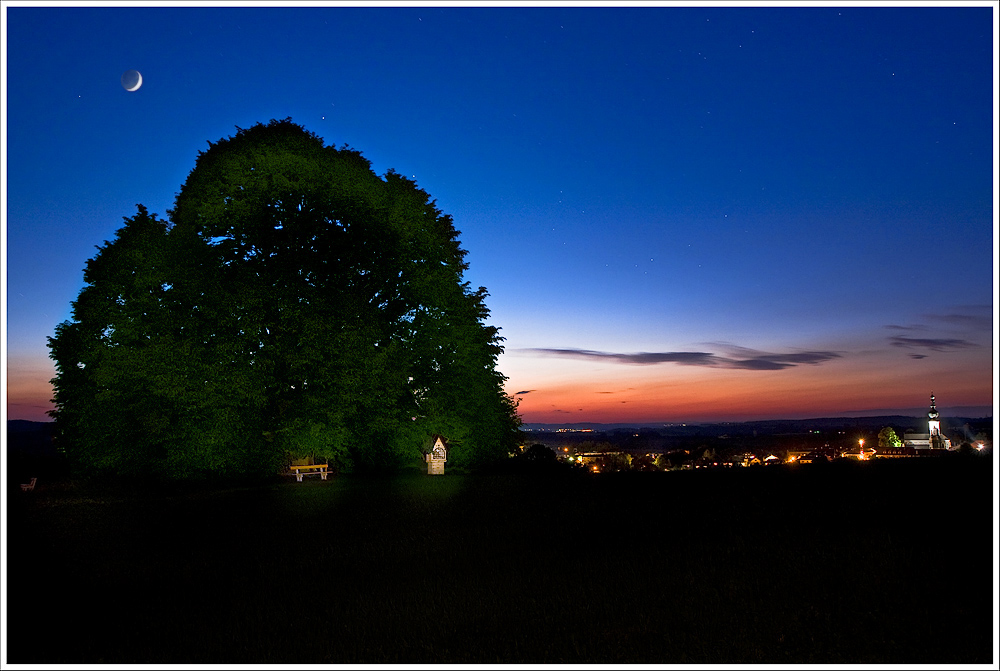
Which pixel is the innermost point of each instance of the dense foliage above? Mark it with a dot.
(887, 438)
(294, 304)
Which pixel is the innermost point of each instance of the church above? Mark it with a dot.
(933, 439)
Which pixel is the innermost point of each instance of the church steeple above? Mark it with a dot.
(933, 424)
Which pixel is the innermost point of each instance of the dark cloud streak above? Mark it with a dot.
(975, 318)
(971, 322)
(933, 344)
(639, 358)
(742, 359)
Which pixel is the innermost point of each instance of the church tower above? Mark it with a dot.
(933, 439)
(934, 427)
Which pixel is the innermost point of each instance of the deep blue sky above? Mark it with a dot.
(803, 195)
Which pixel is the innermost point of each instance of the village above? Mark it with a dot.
(664, 450)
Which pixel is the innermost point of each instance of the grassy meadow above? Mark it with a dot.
(876, 562)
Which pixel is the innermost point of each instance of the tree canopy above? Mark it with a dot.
(887, 438)
(293, 304)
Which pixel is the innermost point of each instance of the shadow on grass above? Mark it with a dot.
(853, 563)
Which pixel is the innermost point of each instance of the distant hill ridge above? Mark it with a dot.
(27, 426)
(30, 438)
(19, 430)
(772, 426)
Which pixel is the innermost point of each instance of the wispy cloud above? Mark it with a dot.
(767, 361)
(641, 358)
(965, 321)
(737, 358)
(898, 327)
(932, 344)
(965, 318)
(522, 393)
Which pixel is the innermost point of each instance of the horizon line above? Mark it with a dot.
(964, 412)
(914, 413)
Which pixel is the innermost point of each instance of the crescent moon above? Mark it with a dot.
(131, 80)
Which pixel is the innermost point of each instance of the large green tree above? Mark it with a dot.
(295, 304)
(887, 438)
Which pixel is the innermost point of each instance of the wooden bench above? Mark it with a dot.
(30, 486)
(310, 469)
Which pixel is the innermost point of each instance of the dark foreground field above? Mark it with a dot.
(869, 563)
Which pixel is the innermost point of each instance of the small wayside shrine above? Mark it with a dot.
(437, 456)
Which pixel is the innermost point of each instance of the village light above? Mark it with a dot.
(980, 446)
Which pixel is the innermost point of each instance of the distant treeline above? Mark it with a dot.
(775, 436)
(28, 437)
(768, 427)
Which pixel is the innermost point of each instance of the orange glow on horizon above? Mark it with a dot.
(677, 393)
(29, 392)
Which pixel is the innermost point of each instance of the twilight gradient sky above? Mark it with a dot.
(681, 213)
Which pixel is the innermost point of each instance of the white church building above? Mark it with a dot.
(933, 439)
